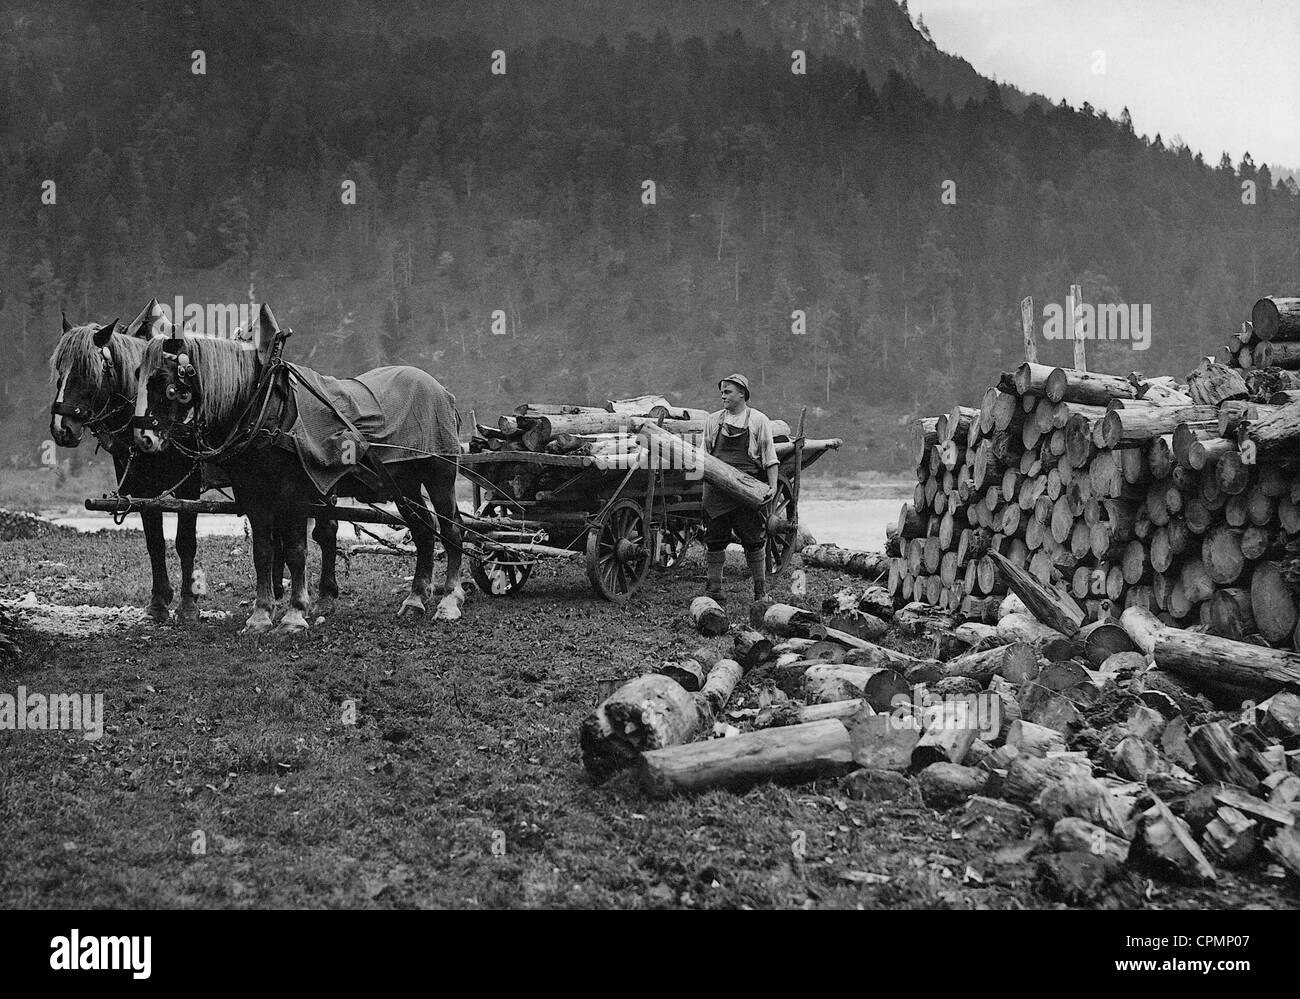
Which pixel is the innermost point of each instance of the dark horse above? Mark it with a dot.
(240, 407)
(93, 369)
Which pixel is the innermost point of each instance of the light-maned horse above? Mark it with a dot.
(93, 369)
(196, 394)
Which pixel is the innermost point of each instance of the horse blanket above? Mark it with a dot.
(400, 406)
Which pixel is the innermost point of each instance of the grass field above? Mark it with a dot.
(227, 776)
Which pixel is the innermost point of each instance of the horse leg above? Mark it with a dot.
(277, 565)
(325, 534)
(262, 522)
(157, 545)
(293, 530)
(193, 585)
(441, 484)
(422, 535)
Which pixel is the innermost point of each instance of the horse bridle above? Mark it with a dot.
(183, 390)
(247, 425)
(88, 419)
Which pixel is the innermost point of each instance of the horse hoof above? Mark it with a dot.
(158, 613)
(412, 607)
(293, 623)
(257, 624)
(449, 607)
(325, 606)
(188, 613)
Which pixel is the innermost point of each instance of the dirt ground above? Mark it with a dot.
(229, 776)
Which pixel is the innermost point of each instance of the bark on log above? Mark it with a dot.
(852, 560)
(1210, 384)
(1052, 608)
(1214, 660)
(789, 621)
(1277, 436)
(1088, 387)
(1016, 658)
(1134, 427)
(786, 755)
(708, 617)
(650, 712)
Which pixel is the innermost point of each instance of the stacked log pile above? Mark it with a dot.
(1122, 492)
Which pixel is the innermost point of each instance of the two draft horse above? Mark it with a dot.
(238, 406)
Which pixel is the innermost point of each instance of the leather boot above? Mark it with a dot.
(758, 570)
(713, 562)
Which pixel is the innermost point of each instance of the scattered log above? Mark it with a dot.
(650, 712)
(1217, 757)
(1035, 740)
(883, 742)
(788, 620)
(752, 648)
(1166, 837)
(708, 617)
(945, 785)
(722, 680)
(1016, 658)
(687, 672)
(792, 754)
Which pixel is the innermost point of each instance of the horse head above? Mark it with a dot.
(93, 370)
(191, 388)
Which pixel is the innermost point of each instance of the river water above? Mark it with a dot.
(847, 523)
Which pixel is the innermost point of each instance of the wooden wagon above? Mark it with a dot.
(627, 514)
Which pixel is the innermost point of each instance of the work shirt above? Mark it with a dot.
(761, 447)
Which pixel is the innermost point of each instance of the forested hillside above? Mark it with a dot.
(523, 193)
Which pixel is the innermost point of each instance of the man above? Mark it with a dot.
(742, 437)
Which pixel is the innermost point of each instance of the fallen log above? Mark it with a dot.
(1049, 606)
(708, 617)
(850, 560)
(792, 754)
(1210, 659)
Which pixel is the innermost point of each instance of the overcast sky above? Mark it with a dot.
(1223, 74)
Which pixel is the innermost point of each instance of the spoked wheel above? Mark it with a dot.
(499, 573)
(672, 540)
(781, 527)
(619, 551)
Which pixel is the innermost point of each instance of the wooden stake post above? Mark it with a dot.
(1027, 325)
(1072, 304)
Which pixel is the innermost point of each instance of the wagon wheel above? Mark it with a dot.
(672, 540)
(498, 573)
(782, 523)
(619, 551)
